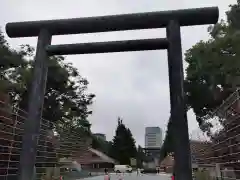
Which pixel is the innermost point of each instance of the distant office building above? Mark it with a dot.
(153, 137)
(100, 136)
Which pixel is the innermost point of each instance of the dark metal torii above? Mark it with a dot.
(172, 20)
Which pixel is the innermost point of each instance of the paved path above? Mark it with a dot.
(134, 176)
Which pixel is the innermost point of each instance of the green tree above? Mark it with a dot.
(10, 62)
(101, 145)
(123, 144)
(213, 74)
(65, 103)
(167, 146)
(213, 71)
(66, 100)
(141, 157)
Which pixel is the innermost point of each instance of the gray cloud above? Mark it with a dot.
(131, 85)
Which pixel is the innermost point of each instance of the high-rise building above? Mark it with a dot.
(153, 137)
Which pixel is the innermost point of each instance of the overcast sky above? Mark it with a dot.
(132, 85)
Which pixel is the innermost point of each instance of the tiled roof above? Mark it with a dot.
(84, 155)
(101, 157)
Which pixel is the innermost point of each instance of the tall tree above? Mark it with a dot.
(101, 145)
(65, 101)
(123, 146)
(167, 146)
(213, 73)
(141, 157)
(213, 67)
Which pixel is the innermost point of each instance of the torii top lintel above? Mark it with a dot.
(149, 20)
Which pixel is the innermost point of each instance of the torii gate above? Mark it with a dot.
(172, 20)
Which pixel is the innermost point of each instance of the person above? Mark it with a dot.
(105, 170)
(138, 171)
(173, 176)
(106, 176)
(120, 176)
